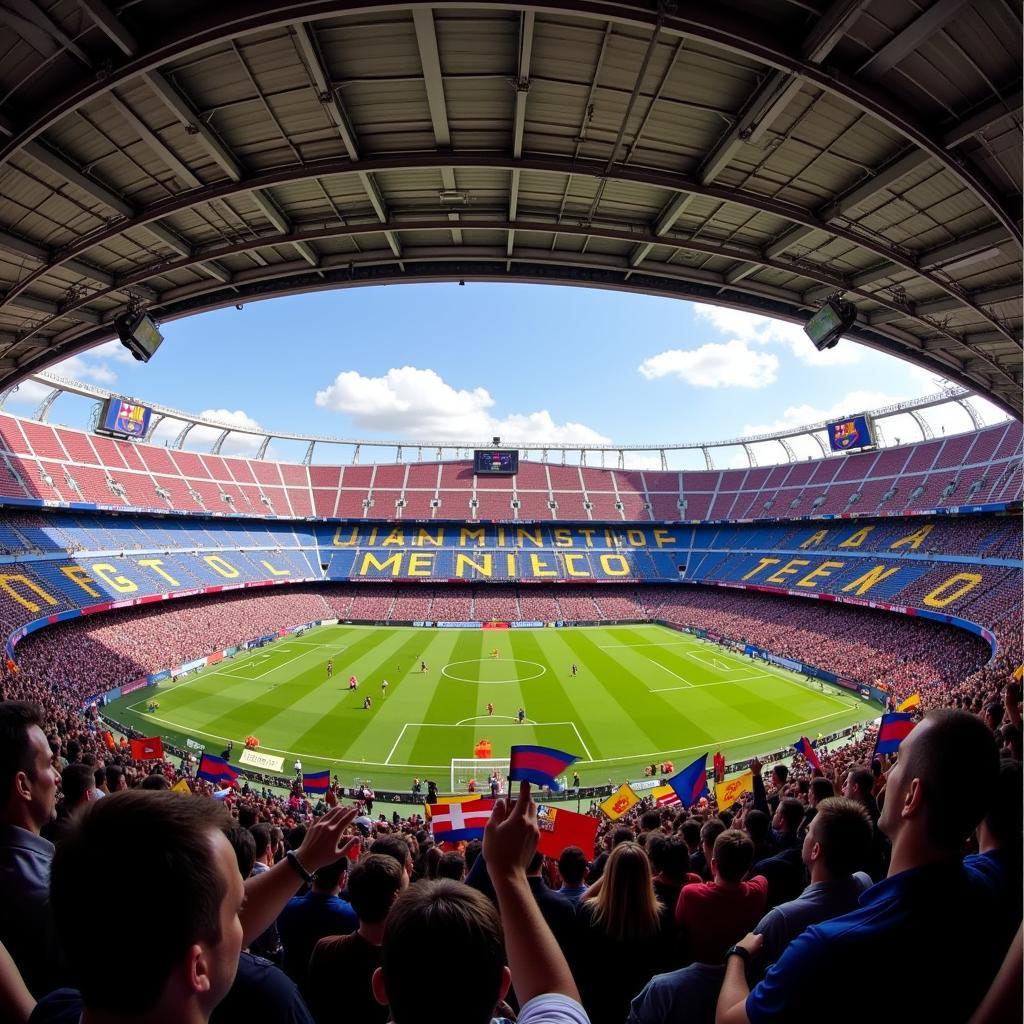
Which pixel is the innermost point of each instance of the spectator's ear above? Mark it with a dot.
(506, 984)
(913, 800)
(377, 985)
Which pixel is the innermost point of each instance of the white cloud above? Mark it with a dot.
(414, 403)
(733, 364)
(766, 330)
(28, 392)
(203, 438)
(851, 403)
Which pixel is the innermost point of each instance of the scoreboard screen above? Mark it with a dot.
(492, 462)
(844, 435)
(123, 418)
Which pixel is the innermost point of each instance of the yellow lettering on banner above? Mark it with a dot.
(155, 564)
(856, 539)
(615, 565)
(913, 539)
(353, 537)
(608, 538)
(425, 537)
(761, 566)
(636, 538)
(110, 575)
(540, 567)
(7, 581)
(570, 565)
(501, 536)
(370, 560)
(466, 533)
(372, 539)
(789, 569)
(484, 566)
(874, 576)
(274, 572)
(510, 561)
(396, 538)
(218, 565)
(589, 535)
(816, 538)
(663, 538)
(421, 563)
(821, 572)
(938, 598)
(534, 536)
(563, 538)
(80, 575)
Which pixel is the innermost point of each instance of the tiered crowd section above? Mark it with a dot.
(41, 463)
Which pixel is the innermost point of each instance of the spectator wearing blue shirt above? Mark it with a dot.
(934, 912)
(572, 866)
(314, 915)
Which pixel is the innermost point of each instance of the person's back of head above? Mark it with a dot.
(690, 831)
(572, 866)
(247, 816)
(244, 845)
(791, 814)
(373, 884)
(947, 769)
(162, 855)
(843, 832)
(431, 859)
(1002, 826)
(330, 878)
(626, 907)
(649, 821)
(394, 845)
(77, 785)
(622, 835)
(262, 835)
(820, 789)
(156, 781)
(709, 832)
(452, 865)
(757, 824)
(733, 855)
(115, 777)
(473, 850)
(433, 926)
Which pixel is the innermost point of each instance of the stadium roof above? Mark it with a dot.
(183, 155)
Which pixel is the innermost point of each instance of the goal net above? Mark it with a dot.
(480, 770)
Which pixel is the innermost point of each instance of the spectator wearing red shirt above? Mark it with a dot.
(713, 915)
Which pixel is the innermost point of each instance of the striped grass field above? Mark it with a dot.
(642, 693)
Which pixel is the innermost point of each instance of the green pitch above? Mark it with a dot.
(641, 694)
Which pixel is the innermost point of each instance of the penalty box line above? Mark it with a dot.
(496, 725)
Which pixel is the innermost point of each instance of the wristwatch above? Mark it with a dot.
(739, 951)
(296, 866)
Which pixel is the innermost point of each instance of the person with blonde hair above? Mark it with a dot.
(623, 938)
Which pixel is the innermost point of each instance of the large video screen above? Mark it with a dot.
(855, 432)
(124, 418)
(491, 462)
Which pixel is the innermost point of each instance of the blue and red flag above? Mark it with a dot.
(692, 782)
(803, 746)
(893, 730)
(540, 766)
(316, 782)
(215, 769)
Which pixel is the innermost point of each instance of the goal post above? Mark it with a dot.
(479, 769)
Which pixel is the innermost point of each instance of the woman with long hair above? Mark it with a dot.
(624, 936)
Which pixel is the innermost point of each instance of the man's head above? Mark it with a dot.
(993, 715)
(1001, 828)
(690, 831)
(940, 787)
(244, 845)
(452, 865)
(819, 789)
(789, 816)
(572, 865)
(839, 838)
(780, 773)
(115, 778)
(331, 878)
(373, 885)
(263, 836)
(757, 824)
(433, 925)
(709, 832)
(732, 855)
(164, 856)
(28, 780)
(859, 783)
(649, 821)
(76, 783)
(397, 846)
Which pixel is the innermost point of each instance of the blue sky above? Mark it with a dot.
(530, 363)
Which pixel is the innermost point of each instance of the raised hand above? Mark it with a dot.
(510, 839)
(326, 840)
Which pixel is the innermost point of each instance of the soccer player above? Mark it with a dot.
(352, 682)
(330, 668)
(494, 652)
(522, 715)
(490, 709)
(423, 666)
(367, 703)
(574, 669)
(383, 688)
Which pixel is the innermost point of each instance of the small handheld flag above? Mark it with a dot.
(148, 749)
(454, 822)
(620, 802)
(911, 702)
(215, 769)
(316, 782)
(892, 731)
(540, 766)
(664, 796)
(692, 782)
(560, 828)
(803, 746)
(727, 793)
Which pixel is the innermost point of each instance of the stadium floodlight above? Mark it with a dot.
(139, 334)
(452, 197)
(830, 323)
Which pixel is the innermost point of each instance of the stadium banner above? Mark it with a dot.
(528, 625)
(793, 666)
(212, 659)
(261, 760)
(458, 625)
(495, 625)
(194, 744)
(864, 692)
(189, 666)
(328, 622)
(135, 684)
(643, 784)
(156, 677)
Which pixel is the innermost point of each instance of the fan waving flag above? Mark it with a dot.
(148, 750)
(560, 828)
(664, 796)
(620, 802)
(692, 782)
(316, 782)
(910, 703)
(215, 769)
(454, 822)
(892, 731)
(803, 746)
(540, 766)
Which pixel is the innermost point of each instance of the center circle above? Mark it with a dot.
(491, 661)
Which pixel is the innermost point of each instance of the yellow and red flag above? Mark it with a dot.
(911, 702)
(620, 802)
(728, 792)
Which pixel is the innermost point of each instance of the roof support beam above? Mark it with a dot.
(59, 166)
(522, 86)
(983, 119)
(787, 240)
(883, 178)
(23, 247)
(922, 28)
(109, 24)
(156, 146)
(39, 31)
(990, 238)
(830, 28)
